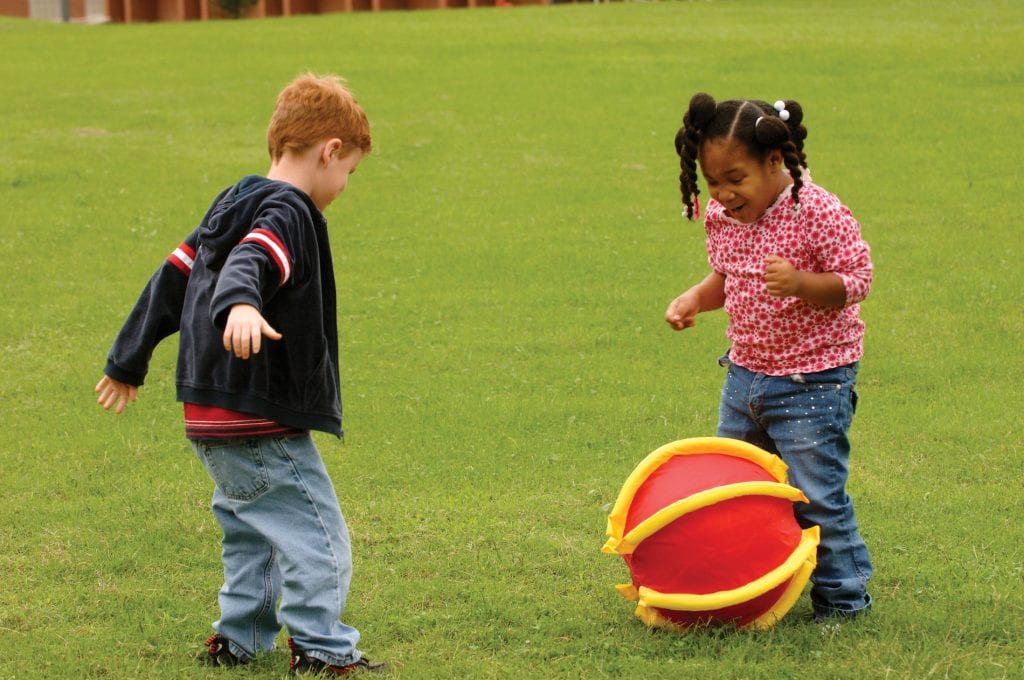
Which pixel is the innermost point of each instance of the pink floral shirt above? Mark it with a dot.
(782, 336)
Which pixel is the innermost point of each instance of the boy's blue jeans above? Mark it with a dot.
(804, 418)
(284, 537)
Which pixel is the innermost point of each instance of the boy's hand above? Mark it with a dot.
(781, 277)
(682, 311)
(115, 392)
(244, 331)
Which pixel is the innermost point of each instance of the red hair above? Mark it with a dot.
(314, 108)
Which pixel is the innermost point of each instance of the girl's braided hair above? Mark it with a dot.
(753, 123)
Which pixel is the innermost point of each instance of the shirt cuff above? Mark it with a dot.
(856, 287)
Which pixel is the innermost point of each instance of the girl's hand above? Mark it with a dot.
(244, 331)
(115, 392)
(682, 311)
(780, 277)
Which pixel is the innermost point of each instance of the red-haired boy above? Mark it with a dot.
(251, 292)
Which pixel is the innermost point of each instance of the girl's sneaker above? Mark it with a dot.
(218, 653)
(304, 665)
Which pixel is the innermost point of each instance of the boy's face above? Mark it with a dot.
(745, 186)
(333, 175)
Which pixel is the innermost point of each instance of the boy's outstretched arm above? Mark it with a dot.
(244, 331)
(115, 392)
(156, 315)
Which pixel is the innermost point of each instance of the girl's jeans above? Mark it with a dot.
(804, 418)
(284, 537)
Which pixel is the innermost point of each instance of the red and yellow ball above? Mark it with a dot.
(707, 530)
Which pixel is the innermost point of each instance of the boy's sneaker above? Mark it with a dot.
(218, 653)
(305, 665)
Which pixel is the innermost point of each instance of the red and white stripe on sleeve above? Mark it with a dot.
(183, 258)
(275, 247)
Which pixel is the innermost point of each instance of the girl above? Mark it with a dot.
(790, 267)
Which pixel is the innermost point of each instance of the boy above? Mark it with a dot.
(252, 293)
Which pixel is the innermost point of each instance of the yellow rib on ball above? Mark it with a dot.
(670, 513)
(803, 554)
(773, 465)
(792, 592)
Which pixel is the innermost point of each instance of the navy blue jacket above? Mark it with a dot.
(262, 243)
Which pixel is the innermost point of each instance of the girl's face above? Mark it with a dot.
(745, 186)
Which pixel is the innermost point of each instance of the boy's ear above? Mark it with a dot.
(331, 148)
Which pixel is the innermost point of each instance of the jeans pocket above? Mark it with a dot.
(816, 403)
(237, 468)
(844, 381)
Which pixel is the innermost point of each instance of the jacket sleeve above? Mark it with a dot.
(156, 315)
(265, 260)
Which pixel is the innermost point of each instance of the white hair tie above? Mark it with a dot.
(780, 106)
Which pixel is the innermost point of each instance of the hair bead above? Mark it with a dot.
(780, 106)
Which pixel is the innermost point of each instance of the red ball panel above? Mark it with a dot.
(683, 476)
(720, 547)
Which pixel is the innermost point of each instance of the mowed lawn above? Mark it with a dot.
(504, 259)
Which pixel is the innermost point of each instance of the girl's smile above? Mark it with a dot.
(745, 186)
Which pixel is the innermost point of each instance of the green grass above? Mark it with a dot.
(504, 259)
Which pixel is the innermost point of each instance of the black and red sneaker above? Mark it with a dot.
(218, 653)
(301, 664)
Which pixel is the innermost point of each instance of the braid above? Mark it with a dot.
(688, 139)
(687, 171)
(797, 132)
(793, 158)
(771, 132)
